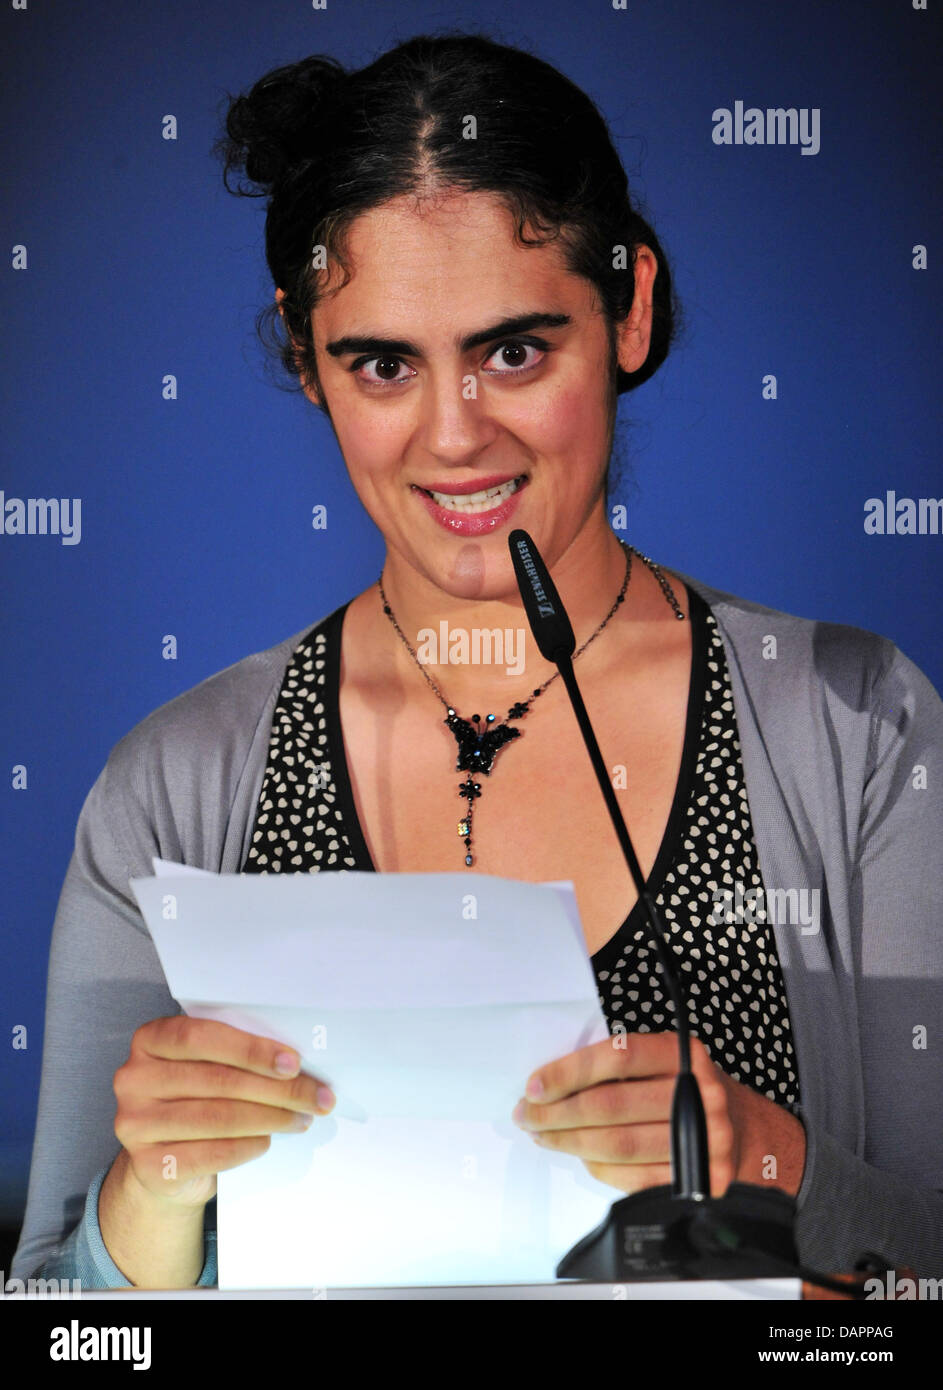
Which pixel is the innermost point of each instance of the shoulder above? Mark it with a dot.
(220, 710)
(770, 644)
(170, 783)
(792, 672)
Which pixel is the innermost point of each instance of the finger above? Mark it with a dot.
(611, 1103)
(202, 1039)
(636, 1144)
(163, 1080)
(189, 1162)
(642, 1144)
(625, 1056)
(620, 1057)
(171, 1121)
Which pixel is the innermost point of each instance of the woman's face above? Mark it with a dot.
(430, 386)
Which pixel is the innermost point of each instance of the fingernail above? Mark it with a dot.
(517, 1114)
(286, 1063)
(534, 1089)
(301, 1121)
(326, 1097)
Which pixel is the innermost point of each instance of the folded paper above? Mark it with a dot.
(425, 1001)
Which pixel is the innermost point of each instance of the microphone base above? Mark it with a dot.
(653, 1235)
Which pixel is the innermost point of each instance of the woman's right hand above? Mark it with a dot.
(196, 1097)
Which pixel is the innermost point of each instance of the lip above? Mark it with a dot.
(475, 523)
(454, 489)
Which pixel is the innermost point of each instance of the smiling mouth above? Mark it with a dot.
(472, 502)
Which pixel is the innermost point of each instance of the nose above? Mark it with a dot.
(456, 425)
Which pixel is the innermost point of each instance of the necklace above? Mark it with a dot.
(478, 747)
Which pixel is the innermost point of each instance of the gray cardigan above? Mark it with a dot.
(842, 743)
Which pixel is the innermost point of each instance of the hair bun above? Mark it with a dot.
(272, 128)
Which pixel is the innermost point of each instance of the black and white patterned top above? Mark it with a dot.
(306, 821)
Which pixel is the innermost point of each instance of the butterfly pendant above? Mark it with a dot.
(478, 749)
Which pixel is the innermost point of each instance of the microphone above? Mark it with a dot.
(676, 1231)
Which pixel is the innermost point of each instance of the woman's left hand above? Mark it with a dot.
(610, 1105)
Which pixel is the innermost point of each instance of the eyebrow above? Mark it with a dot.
(520, 323)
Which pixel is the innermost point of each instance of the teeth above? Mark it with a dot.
(472, 502)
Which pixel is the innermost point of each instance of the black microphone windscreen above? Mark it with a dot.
(545, 612)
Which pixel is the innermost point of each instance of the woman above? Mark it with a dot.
(466, 288)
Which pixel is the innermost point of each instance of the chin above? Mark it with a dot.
(477, 571)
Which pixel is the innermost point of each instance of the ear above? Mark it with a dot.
(634, 333)
(312, 393)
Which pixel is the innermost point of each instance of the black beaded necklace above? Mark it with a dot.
(478, 747)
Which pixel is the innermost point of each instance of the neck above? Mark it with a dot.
(480, 650)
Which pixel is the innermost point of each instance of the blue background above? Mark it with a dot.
(196, 512)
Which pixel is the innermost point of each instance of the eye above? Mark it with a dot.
(384, 373)
(513, 356)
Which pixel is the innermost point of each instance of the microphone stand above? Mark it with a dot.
(678, 1230)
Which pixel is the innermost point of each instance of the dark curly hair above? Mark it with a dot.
(325, 145)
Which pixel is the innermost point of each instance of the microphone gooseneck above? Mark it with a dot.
(553, 634)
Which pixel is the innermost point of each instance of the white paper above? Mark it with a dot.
(425, 1001)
